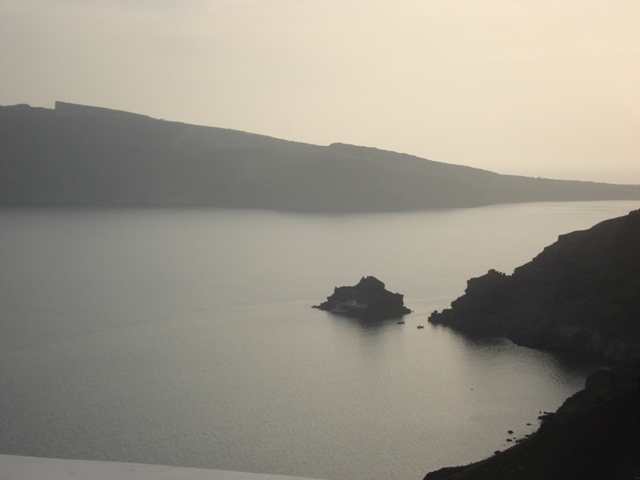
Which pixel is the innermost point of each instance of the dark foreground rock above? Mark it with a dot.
(368, 299)
(594, 435)
(581, 294)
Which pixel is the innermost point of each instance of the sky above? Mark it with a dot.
(544, 88)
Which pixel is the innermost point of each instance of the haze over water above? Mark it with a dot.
(187, 337)
(542, 88)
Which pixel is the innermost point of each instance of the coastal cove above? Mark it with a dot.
(187, 338)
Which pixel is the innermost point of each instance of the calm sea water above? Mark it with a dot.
(187, 337)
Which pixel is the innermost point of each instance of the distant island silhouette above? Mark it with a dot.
(82, 156)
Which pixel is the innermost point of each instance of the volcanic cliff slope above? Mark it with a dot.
(82, 156)
(580, 294)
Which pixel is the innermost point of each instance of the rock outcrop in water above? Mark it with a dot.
(367, 299)
(581, 294)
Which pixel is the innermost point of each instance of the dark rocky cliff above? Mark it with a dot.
(79, 156)
(581, 294)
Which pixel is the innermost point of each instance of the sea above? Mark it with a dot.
(187, 337)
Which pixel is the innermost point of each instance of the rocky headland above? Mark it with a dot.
(368, 299)
(581, 294)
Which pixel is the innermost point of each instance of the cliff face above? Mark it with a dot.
(581, 294)
(78, 156)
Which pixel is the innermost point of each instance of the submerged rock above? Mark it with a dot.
(368, 298)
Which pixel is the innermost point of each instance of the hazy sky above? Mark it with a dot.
(531, 87)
